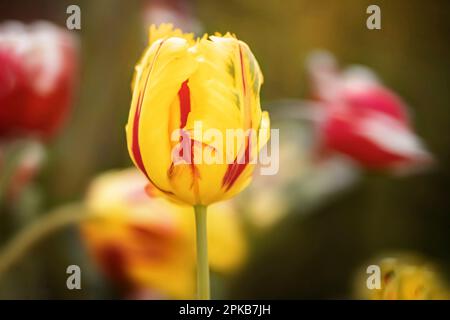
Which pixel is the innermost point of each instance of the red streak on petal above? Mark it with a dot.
(244, 85)
(185, 103)
(186, 141)
(185, 108)
(235, 169)
(135, 144)
(184, 95)
(113, 263)
(247, 104)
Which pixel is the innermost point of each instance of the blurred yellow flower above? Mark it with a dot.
(181, 83)
(147, 243)
(406, 277)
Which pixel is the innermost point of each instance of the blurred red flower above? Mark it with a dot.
(363, 119)
(37, 77)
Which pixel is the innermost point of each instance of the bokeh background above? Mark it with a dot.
(312, 252)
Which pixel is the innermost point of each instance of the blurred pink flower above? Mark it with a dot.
(363, 119)
(37, 76)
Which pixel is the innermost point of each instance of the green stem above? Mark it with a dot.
(202, 253)
(35, 232)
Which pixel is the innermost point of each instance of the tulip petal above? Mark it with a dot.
(211, 86)
(224, 96)
(164, 67)
(402, 142)
(264, 130)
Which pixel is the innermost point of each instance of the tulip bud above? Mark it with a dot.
(37, 66)
(213, 83)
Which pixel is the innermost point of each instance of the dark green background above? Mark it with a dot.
(303, 257)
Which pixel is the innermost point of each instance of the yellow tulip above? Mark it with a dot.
(405, 277)
(180, 81)
(146, 244)
(179, 85)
